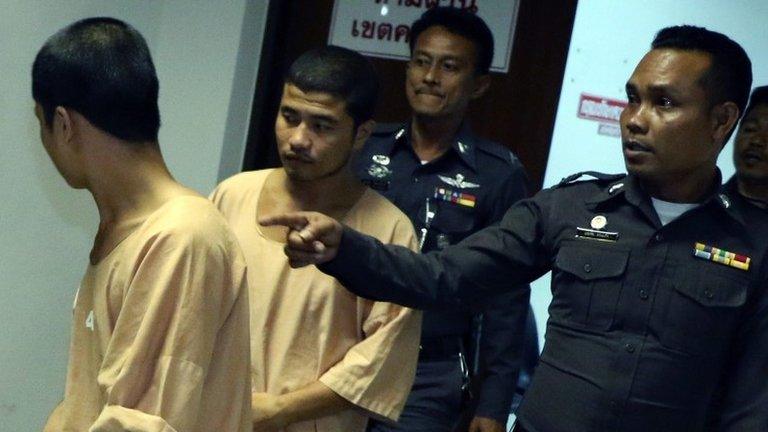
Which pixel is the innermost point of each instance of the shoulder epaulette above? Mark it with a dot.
(387, 129)
(497, 150)
(594, 174)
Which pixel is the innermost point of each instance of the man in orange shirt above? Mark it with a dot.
(160, 322)
(322, 360)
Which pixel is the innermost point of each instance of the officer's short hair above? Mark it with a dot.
(101, 68)
(342, 73)
(729, 78)
(759, 97)
(462, 23)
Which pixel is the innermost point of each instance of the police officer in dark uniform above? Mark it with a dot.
(451, 183)
(659, 314)
(750, 152)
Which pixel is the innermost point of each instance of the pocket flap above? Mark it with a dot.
(589, 263)
(711, 289)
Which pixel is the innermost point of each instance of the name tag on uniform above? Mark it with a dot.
(598, 235)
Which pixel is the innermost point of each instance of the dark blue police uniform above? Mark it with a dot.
(468, 188)
(651, 328)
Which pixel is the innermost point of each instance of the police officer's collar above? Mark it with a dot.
(464, 144)
(629, 187)
(731, 189)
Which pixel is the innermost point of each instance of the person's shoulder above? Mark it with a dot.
(590, 180)
(189, 221)
(380, 218)
(493, 155)
(243, 181)
(384, 134)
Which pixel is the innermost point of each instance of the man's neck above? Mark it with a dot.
(128, 184)
(129, 181)
(694, 188)
(333, 195)
(431, 137)
(753, 189)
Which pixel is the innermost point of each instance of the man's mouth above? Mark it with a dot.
(429, 93)
(635, 146)
(752, 156)
(294, 157)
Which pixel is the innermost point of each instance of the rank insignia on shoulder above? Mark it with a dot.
(460, 198)
(721, 256)
(596, 234)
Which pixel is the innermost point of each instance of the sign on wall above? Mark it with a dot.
(381, 28)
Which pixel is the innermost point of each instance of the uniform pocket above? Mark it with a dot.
(452, 223)
(702, 311)
(587, 281)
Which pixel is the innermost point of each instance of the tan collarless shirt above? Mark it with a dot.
(160, 331)
(305, 326)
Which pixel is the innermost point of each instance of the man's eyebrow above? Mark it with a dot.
(663, 89)
(324, 118)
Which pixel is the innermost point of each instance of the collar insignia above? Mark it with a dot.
(724, 200)
(381, 159)
(463, 147)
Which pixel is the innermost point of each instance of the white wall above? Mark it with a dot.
(206, 54)
(609, 39)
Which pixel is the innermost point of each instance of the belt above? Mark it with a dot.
(440, 348)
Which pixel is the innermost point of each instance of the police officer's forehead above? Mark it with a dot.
(665, 66)
(444, 39)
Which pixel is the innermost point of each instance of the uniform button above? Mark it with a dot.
(415, 179)
(630, 348)
(708, 292)
(587, 268)
(658, 237)
(643, 294)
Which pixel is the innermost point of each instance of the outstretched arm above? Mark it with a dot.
(493, 260)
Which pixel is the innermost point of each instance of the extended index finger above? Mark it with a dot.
(295, 221)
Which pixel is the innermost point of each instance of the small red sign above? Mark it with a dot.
(598, 108)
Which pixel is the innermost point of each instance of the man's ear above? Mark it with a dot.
(724, 117)
(363, 132)
(63, 125)
(482, 82)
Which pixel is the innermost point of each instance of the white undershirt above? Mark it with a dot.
(669, 211)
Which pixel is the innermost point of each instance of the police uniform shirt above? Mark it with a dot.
(468, 188)
(651, 328)
(732, 187)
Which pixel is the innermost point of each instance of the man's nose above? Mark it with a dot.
(634, 119)
(433, 74)
(300, 139)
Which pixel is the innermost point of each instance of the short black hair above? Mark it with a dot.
(729, 77)
(759, 97)
(340, 72)
(460, 22)
(101, 68)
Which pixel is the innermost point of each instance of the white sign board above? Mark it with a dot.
(381, 28)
